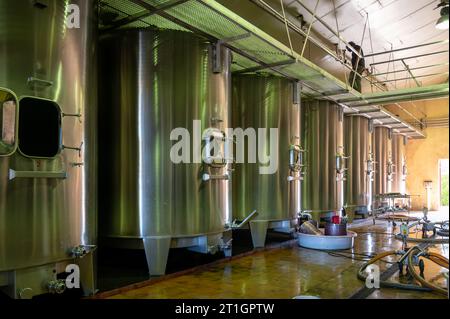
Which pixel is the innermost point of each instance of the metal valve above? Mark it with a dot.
(57, 286)
(370, 165)
(340, 167)
(215, 150)
(79, 251)
(296, 162)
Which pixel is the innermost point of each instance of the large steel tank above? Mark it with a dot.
(358, 184)
(154, 85)
(48, 178)
(323, 140)
(267, 102)
(382, 141)
(399, 163)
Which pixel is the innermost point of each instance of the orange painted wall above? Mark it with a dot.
(423, 156)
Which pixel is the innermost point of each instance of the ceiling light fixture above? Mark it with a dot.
(442, 23)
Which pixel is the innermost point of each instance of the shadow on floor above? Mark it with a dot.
(122, 267)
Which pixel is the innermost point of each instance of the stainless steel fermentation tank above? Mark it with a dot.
(325, 159)
(358, 184)
(399, 162)
(154, 85)
(48, 166)
(265, 102)
(384, 166)
(399, 169)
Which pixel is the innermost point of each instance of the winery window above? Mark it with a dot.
(39, 128)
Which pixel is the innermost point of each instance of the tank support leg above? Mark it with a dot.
(157, 252)
(258, 230)
(227, 240)
(87, 275)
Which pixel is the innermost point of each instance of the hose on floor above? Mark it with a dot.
(443, 232)
(424, 285)
(399, 217)
(436, 258)
(384, 283)
(349, 254)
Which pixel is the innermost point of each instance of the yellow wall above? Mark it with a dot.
(423, 155)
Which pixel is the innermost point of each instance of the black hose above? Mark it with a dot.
(389, 284)
(442, 232)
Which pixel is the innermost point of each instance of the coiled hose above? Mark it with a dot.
(388, 284)
(436, 258)
(425, 285)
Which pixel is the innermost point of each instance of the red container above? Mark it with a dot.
(336, 220)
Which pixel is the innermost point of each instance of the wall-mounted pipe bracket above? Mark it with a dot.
(79, 149)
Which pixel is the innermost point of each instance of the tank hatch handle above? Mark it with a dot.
(77, 115)
(39, 174)
(208, 177)
(33, 82)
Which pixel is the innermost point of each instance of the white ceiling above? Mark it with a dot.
(393, 24)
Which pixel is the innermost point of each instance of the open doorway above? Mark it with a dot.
(443, 183)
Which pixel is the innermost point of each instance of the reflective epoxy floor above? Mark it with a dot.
(291, 271)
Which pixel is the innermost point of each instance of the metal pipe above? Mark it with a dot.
(247, 219)
(410, 57)
(412, 69)
(406, 48)
(410, 73)
(441, 89)
(437, 122)
(407, 98)
(420, 76)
